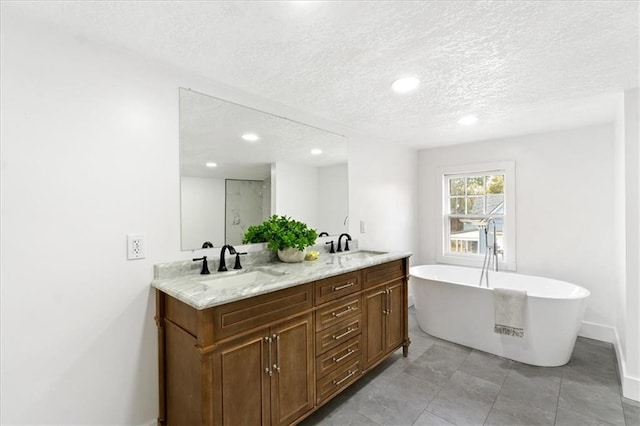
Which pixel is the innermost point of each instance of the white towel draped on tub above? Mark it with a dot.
(508, 311)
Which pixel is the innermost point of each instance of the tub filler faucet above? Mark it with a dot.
(491, 251)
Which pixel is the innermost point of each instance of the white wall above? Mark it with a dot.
(619, 224)
(296, 192)
(89, 143)
(333, 199)
(630, 337)
(202, 211)
(383, 192)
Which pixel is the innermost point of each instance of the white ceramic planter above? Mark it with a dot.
(291, 255)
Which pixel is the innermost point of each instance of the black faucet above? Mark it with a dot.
(207, 244)
(323, 234)
(346, 243)
(205, 267)
(332, 250)
(223, 265)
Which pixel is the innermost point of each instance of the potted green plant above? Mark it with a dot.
(288, 237)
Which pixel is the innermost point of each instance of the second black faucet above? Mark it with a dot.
(346, 243)
(223, 265)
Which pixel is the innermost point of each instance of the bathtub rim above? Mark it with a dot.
(584, 293)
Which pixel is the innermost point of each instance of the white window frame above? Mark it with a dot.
(443, 255)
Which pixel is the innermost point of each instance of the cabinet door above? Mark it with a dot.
(292, 388)
(241, 383)
(374, 343)
(395, 315)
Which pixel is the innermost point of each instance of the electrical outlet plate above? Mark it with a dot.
(136, 246)
(363, 227)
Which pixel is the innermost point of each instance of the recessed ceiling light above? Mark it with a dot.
(251, 137)
(211, 164)
(405, 84)
(468, 120)
(316, 151)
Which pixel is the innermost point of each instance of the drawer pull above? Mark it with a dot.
(340, 336)
(349, 352)
(339, 314)
(342, 287)
(341, 381)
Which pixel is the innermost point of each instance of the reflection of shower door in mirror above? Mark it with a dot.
(244, 206)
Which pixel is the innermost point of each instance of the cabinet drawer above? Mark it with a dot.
(339, 356)
(383, 273)
(335, 287)
(336, 335)
(243, 315)
(338, 380)
(333, 313)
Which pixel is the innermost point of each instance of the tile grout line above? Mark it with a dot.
(498, 394)
(440, 390)
(555, 419)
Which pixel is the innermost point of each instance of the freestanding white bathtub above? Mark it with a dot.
(451, 305)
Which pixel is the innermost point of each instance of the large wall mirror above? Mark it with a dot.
(239, 165)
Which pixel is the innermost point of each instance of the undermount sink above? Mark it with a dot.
(234, 279)
(348, 256)
(361, 254)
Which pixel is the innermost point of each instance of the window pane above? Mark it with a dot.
(456, 205)
(456, 186)
(495, 184)
(463, 236)
(475, 205)
(495, 204)
(475, 185)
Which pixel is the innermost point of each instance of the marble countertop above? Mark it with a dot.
(206, 291)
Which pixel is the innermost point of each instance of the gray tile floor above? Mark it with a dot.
(442, 383)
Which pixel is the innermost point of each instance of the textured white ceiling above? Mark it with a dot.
(521, 67)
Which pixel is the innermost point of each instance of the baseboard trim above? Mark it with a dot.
(605, 333)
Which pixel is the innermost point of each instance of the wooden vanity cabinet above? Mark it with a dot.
(384, 331)
(245, 362)
(385, 311)
(276, 358)
(265, 377)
